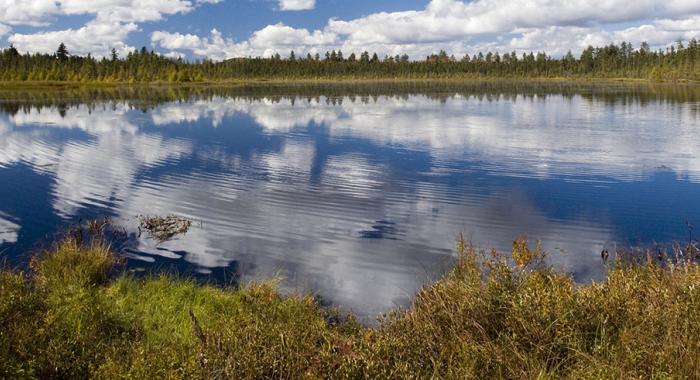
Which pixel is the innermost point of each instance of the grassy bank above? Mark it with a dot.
(456, 79)
(75, 316)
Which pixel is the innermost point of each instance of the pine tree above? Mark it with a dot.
(62, 52)
(680, 61)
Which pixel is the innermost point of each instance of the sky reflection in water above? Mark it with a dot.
(359, 198)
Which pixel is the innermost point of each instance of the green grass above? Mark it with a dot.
(73, 315)
(36, 84)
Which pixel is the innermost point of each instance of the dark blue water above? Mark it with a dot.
(355, 194)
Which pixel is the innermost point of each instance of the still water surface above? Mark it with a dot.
(355, 192)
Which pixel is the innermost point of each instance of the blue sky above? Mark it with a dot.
(221, 29)
(239, 18)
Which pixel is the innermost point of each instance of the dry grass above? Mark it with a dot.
(71, 317)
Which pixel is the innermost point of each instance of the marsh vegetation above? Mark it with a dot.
(74, 314)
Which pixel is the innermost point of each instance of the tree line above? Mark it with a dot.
(677, 62)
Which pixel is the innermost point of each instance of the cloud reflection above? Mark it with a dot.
(93, 171)
(359, 200)
(8, 231)
(520, 136)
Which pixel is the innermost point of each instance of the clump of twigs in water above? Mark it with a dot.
(164, 228)
(96, 231)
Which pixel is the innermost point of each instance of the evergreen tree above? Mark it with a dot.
(681, 61)
(364, 57)
(12, 52)
(62, 52)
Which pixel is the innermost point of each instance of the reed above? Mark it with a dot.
(74, 315)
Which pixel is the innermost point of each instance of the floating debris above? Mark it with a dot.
(165, 228)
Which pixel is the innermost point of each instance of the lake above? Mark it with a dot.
(355, 192)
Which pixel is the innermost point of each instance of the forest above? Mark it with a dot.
(676, 63)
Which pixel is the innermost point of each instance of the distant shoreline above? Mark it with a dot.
(59, 85)
(611, 63)
(330, 81)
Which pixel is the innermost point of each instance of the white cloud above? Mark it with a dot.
(95, 37)
(41, 12)
(457, 26)
(215, 46)
(175, 55)
(297, 5)
(278, 38)
(554, 26)
(451, 20)
(27, 12)
(113, 21)
(180, 41)
(557, 40)
(283, 35)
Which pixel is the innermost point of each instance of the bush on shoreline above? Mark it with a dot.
(74, 316)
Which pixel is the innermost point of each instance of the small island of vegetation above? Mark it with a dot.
(623, 61)
(74, 315)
